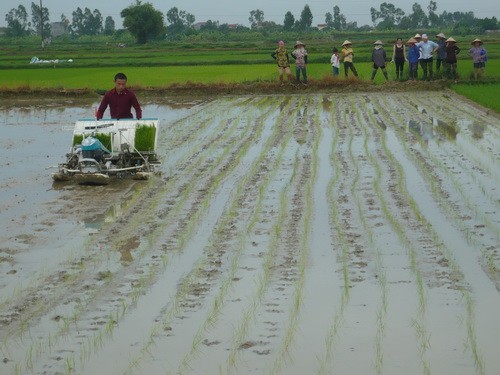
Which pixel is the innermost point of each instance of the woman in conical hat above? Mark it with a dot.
(413, 56)
(478, 54)
(441, 52)
(452, 50)
(347, 55)
(300, 56)
(379, 59)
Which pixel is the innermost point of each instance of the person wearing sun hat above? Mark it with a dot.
(427, 50)
(452, 50)
(347, 55)
(379, 58)
(478, 54)
(441, 51)
(413, 56)
(300, 56)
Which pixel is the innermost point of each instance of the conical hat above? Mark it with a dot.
(417, 35)
(477, 40)
(450, 39)
(346, 43)
(299, 43)
(378, 42)
(440, 35)
(411, 40)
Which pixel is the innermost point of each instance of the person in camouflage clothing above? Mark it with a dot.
(283, 61)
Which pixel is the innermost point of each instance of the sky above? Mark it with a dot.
(235, 11)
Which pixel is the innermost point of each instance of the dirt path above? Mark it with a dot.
(287, 235)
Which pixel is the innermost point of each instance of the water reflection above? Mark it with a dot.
(435, 129)
(477, 130)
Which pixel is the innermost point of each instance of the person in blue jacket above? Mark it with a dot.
(413, 56)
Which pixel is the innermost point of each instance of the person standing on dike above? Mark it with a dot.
(452, 50)
(478, 54)
(379, 58)
(441, 52)
(399, 57)
(427, 49)
(413, 57)
(347, 56)
(283, 60)
(300, 56)
(120, 101)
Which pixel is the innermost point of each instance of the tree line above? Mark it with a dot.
(145, 23)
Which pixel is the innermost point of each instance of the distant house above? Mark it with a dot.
(322, 26)
(59, 28)
(232, 25)
(199, 25)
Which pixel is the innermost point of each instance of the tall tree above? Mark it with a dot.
(433, 17)
(77, 27)
(86, 22)
(289, 21)
(256, 18)
(109, 26)
(17, 22)
(40, 20)
(329, 19)
(339, 20)
(179, 21)
(144, 22)
(92, 22)
(418, 17)
(306, 18)
(389, 15)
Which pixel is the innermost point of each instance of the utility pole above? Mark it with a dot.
(41, 24)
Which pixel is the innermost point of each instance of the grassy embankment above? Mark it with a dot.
(221, 64)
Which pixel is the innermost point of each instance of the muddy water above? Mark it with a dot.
(298, 234)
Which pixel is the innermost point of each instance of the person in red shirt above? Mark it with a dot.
(120, 101)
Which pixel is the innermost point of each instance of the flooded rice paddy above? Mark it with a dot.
(308, 234)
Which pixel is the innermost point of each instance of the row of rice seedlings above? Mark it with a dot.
(241, 242)
(241, 331)
(486, 255)
(448, 254)
(304, 245)
(338, 119)
(167, 318)
(412, 252)
(379, 265)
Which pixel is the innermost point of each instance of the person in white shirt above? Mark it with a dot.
(335, 61)
(427, 49)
